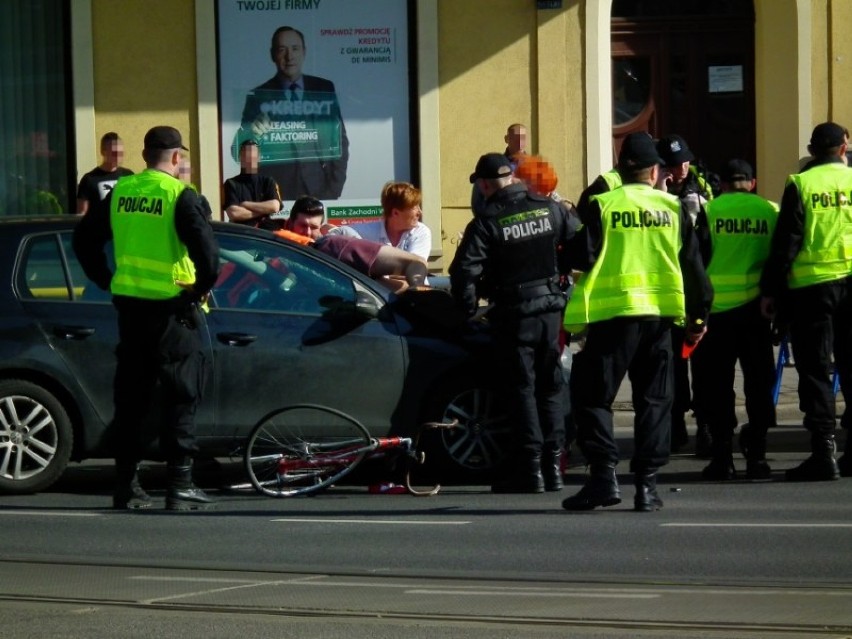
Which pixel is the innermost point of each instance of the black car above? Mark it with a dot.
(286, 325)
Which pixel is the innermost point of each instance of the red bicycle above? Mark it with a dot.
(305, 448)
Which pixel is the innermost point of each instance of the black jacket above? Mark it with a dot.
(513, 254)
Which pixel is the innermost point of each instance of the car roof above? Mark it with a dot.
(24, 224)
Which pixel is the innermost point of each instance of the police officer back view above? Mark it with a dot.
(510, 254)
(737, 229)
(809, 274)
(643, 272)
(166, 260)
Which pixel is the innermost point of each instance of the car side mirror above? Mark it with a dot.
(366, 305)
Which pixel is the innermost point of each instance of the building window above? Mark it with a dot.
(35, 173)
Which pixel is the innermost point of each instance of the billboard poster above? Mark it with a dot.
(322, 87)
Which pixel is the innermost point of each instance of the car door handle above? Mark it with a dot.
(236, 339)
(73, 332)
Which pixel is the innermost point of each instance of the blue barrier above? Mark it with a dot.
(783, 360)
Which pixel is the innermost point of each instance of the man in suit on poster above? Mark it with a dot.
(296, 121)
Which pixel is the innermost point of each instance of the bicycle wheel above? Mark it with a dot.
(303, 448)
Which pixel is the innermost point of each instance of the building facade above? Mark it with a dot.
(474, 67)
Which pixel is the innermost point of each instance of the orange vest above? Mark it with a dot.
(304, 240)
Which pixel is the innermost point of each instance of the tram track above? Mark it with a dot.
(672, 609)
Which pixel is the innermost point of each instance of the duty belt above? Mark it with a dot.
(528, 290)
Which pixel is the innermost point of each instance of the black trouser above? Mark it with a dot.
(614, 348)
(821, 324)
(529, 350)
(740, 334)
(682, 398)
(157, 344)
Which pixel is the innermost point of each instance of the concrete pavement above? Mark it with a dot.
(789, 437)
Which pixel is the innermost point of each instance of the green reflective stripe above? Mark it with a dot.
(629, 281)
(667, 305)
(146, 274)
(127, 282)
(739, 279)
(143, 263)
(808, 270)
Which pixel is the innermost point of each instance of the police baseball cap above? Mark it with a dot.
(490, 167)
(638, 152)
(674, 150)
(737, 170)
(164, 137)
(828, 135)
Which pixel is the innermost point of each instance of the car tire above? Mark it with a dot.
(481, 441)
(35, 437)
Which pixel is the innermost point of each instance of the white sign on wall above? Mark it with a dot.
(725, 79)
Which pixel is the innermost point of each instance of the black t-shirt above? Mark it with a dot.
(97, 184)
(249, 187)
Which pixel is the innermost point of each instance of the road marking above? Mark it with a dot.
(42, 513)
(735, 525)
(590, 591)
(205, 580)
(515, 593)
(389, 522)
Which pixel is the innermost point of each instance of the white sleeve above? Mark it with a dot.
(420, 241)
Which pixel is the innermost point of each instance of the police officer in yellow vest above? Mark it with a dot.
(166, 261)
(643, 273)
(737, 230)
(808, 277)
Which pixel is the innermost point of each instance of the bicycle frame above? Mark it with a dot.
(313, 456)
(304, 448)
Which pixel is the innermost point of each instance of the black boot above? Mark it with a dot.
(525, 478)
(844, 464)
(646, 500)
(754, 450)
(821, 465)
(721, 466)
(129, 494)
(600, 489)
(182, 493)
(551, 470)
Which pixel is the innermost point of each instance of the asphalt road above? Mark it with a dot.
(736, 559)
(721, 560)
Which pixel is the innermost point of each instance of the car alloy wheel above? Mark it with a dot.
(35, 437)
(482, 438)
